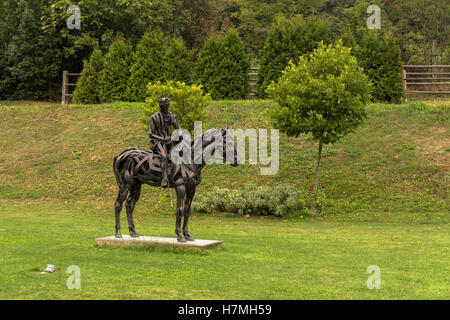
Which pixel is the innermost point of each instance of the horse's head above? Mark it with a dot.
(229, 147)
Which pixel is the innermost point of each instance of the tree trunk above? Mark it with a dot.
(316, 179)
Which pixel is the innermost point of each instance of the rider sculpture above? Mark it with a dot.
(134, 167)
(160, 133)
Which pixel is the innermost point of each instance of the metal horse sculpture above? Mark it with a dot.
(134, 167)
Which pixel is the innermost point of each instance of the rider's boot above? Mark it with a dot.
(165, 180)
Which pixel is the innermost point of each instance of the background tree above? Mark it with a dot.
(178, 64)
(148, 65)
(232, 78)
(113, 83)
(207, 66)
(287, 41)
(324, 95)
(31, 59)
(157, 59)
(87, 89)
(222, 67)
(414, 24)
(201, 22)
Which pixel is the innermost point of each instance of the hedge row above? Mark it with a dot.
(376, 52)
(222, 65)
(122, 74)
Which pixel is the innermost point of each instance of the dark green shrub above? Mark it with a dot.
(222, 67)
(86, 90)
(207, 66)
(380, 57)
(288, 40)
(178, 62)
(232, 79)
(115, 75)
(157, 60)
(148, 65)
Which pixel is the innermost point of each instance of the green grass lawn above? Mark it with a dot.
(263, 258)
(385, 203)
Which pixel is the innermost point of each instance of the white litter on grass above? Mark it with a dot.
(50, 269)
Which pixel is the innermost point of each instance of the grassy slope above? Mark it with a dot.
(57, 192)
(398, 161)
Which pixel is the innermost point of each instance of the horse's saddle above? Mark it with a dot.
(148, 163)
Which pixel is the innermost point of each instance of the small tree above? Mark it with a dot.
(114, 77)
(178, 64)
(324, 94)
(148, 65)
(87, 85)
(222, 67)
(187, 102)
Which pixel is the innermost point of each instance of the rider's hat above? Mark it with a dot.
(164, 101)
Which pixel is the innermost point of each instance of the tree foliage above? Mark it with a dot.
(379, 55)
(287, 41)
(178, 64)
(113, 83)
(223, 66)
(157, 59)
(45, 40)
(207, 66)
(147, 65)
(324, 95)
(87, 89)
(31, 59)
(232, 79)
(188, 102)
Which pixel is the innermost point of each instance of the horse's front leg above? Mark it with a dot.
(181, 191)
(187, 213)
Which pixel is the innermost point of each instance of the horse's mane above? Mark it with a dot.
(206, 136)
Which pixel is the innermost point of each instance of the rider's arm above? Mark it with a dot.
(175, 122)
(152, 130)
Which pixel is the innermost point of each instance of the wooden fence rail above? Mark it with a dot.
(252, 80)
(66, 94)
(430, 82)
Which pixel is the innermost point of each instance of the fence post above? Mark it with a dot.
(433, 59)
(404, 80)
(64, 86)
(253, 78)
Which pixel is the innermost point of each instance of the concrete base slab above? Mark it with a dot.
(127, 240)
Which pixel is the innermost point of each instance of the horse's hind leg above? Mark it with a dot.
(135, 192)
(118, 207)
(180, 212)
(187, 212)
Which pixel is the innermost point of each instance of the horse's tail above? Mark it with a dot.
(117, 166)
